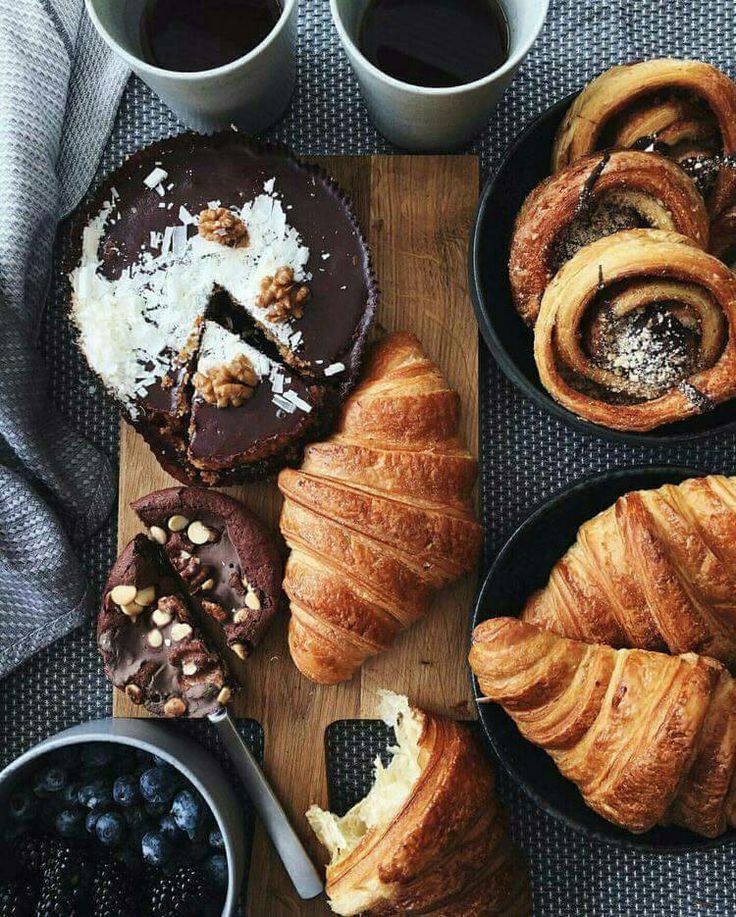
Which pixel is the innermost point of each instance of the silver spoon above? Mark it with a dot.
(296, 861)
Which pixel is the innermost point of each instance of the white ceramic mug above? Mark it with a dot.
(424, 118)
(251, 92)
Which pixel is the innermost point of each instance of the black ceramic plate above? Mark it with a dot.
(524, 166)
(522, 566)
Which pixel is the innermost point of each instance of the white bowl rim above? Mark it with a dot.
(72, 737)
(138, 64)
(513, 61)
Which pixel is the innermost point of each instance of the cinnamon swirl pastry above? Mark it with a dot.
(595, 197)
(638, 330)
(686, 109)
(723, 238)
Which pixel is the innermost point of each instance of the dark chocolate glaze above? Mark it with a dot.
(223, 437)
(241, 549)
(156, 672)
(225, 168)
(229, 168)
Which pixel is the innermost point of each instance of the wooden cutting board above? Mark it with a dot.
(416, 212)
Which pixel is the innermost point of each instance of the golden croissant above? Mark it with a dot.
(431, 836)
(657, 571)
(647, 738)
(378, 516)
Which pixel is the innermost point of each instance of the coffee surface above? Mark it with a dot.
(193, 35)
(435, 43)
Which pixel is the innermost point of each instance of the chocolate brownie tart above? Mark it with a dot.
(150, 644)
(223, 294)
(224, 556)
(205, 576)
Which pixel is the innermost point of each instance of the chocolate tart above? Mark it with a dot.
(150, 644)
(228, 564)
(197, 233)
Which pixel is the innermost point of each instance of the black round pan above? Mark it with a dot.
(522, 566)
(527, 163)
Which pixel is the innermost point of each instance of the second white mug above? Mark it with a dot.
(251, 92)
(423, 118)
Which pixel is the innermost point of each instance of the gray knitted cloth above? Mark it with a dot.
(59, 91)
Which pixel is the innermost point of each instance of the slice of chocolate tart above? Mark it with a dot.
(246, 407)
(150, 643)
(228, 563)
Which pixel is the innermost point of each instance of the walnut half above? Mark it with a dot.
(284, 296)
(228, 385)
(223, 226)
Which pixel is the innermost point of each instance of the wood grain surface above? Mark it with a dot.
(416, 212)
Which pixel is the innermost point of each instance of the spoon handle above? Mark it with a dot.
(293, 855)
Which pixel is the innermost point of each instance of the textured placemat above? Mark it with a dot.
(526, 455)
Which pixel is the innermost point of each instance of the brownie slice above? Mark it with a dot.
(224, 555)
(150, 644)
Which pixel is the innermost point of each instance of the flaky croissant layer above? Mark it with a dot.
(647, 738)
(430, 837)
(378, 516)
(657, 571)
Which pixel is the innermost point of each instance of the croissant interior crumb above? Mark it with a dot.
(391, 789)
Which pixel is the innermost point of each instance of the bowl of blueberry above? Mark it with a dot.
(119, 818)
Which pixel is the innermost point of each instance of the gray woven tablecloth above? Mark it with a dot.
(526, 454)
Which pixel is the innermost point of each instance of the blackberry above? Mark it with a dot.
(17, 899)
(33, 853)
(184, 893)
(113, 891)
(62, 883)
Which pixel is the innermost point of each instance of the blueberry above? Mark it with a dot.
(158, 784)
(70, 823)
(51, 780)
(23, 806)
(110, 829)
(216, 839)
(97, 755)
(189, 811)
(144, 758)
(215, 867)
(125, 791)
(94, 794)
(91, 820)
(156, 849)
(169, 828)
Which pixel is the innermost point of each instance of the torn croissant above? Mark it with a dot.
(648, 739)
(430, 837)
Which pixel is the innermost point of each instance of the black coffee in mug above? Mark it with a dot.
(435, 42)
(190, 35)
